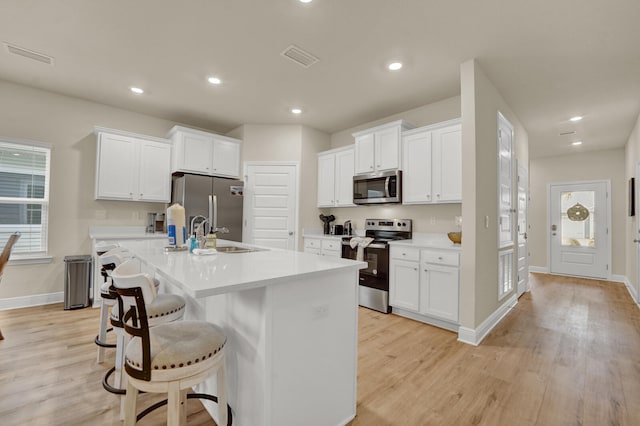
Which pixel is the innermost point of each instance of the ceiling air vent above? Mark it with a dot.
(299, 56)
(40, 57)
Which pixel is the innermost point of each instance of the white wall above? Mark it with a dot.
(632, 157)
(481, 102)
(590, 165)
(67, 124)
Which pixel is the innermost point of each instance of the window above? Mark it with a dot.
(24, 195)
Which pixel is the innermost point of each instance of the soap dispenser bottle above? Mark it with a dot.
(211, 240)
(193, 243)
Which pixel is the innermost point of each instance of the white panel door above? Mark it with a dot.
(523, 226)
(270, 204)
(365, 152)
(117, 160)
(404, 285)
(226, 158)
(196, 153)
(579, 237)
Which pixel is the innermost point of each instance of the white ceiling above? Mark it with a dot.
(550, 59)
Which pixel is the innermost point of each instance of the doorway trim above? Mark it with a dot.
(607, 183)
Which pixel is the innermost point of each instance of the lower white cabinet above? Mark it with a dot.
(323, 246)
(424, 284)
(132, 167)
(404, 285)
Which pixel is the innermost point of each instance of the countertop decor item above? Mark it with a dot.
(455, 237)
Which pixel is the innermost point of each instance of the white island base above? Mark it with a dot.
(291, 321)
(291, 350)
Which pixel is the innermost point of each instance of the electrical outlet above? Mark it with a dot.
(135, 215)
(433, 220)
(101, 214)
(486, 222)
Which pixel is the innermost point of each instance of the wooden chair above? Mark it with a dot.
(166, 358)
(4, 257)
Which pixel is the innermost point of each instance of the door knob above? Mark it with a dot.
(636, 241)
(290, 232)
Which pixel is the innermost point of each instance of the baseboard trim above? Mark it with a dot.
(632, 291)
(474, 337)
(28, 301)
(539, 269)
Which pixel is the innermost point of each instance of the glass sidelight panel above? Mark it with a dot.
(578, 218)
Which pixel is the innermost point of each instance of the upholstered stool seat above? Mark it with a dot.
(180, 349)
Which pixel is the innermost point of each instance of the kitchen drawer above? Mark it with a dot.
(332, 245)
(332, 253)
(405, 253)
(312, 243)
(440, 257)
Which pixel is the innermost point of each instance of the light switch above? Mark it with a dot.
(101, 214)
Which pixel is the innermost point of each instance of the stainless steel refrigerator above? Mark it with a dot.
(218, 199)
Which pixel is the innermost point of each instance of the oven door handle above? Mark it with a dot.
(372, 245)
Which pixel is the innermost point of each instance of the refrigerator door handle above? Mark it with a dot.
(213, 212)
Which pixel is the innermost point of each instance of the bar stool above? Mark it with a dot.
(109, 256)
(164, 308)
(167, 358)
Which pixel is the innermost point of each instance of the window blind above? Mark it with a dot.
(24, 195)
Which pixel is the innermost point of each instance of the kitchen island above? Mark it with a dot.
(291, 323)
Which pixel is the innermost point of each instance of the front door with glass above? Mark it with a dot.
(579, 237)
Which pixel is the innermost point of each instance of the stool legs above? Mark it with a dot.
(222, 395)
(130, 405)
(102, 334)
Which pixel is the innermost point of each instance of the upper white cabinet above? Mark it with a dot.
(335, 178)
(195, 151)
(432, 164)
(132, 167)
(378, 149)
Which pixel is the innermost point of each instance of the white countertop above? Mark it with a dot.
(428, 240)
(202, 276)
(122, 233)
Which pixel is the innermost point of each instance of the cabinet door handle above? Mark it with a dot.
(426, 270)
(440, 258)
(438, 195)
(415, 269)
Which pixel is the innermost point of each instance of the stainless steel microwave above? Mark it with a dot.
(378, 188)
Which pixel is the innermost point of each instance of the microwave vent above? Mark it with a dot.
(30, 54)
(299, 56)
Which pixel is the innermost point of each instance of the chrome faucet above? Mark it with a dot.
(193, 219)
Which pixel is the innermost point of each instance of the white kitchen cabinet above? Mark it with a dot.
(312, 245)
(379, 148)
(439, 277)
(195, 151)
(132, 167)
(404, 283)
(331, 246)
(335, 178)
(424, 284)
(432, 164)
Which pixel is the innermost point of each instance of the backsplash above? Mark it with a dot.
(426, 218)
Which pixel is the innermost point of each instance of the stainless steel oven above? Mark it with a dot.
(374, 279)
(378, 188)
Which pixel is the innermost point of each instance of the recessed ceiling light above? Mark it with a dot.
(576, 118)
(137, 90)
(296, 111)
(214, 80)
(395, 66)
(305, 1)
(576, 143)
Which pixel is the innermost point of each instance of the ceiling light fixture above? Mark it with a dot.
(305, 1)
(576, 143)
(214, 80)
(395, 66)
(576, 118)
(296, 111)
(136, 90)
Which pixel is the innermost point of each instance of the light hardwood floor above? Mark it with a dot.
(567, 354)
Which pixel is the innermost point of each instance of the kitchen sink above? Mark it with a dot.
(234, 249)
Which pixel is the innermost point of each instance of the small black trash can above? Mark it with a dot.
(78, 276)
